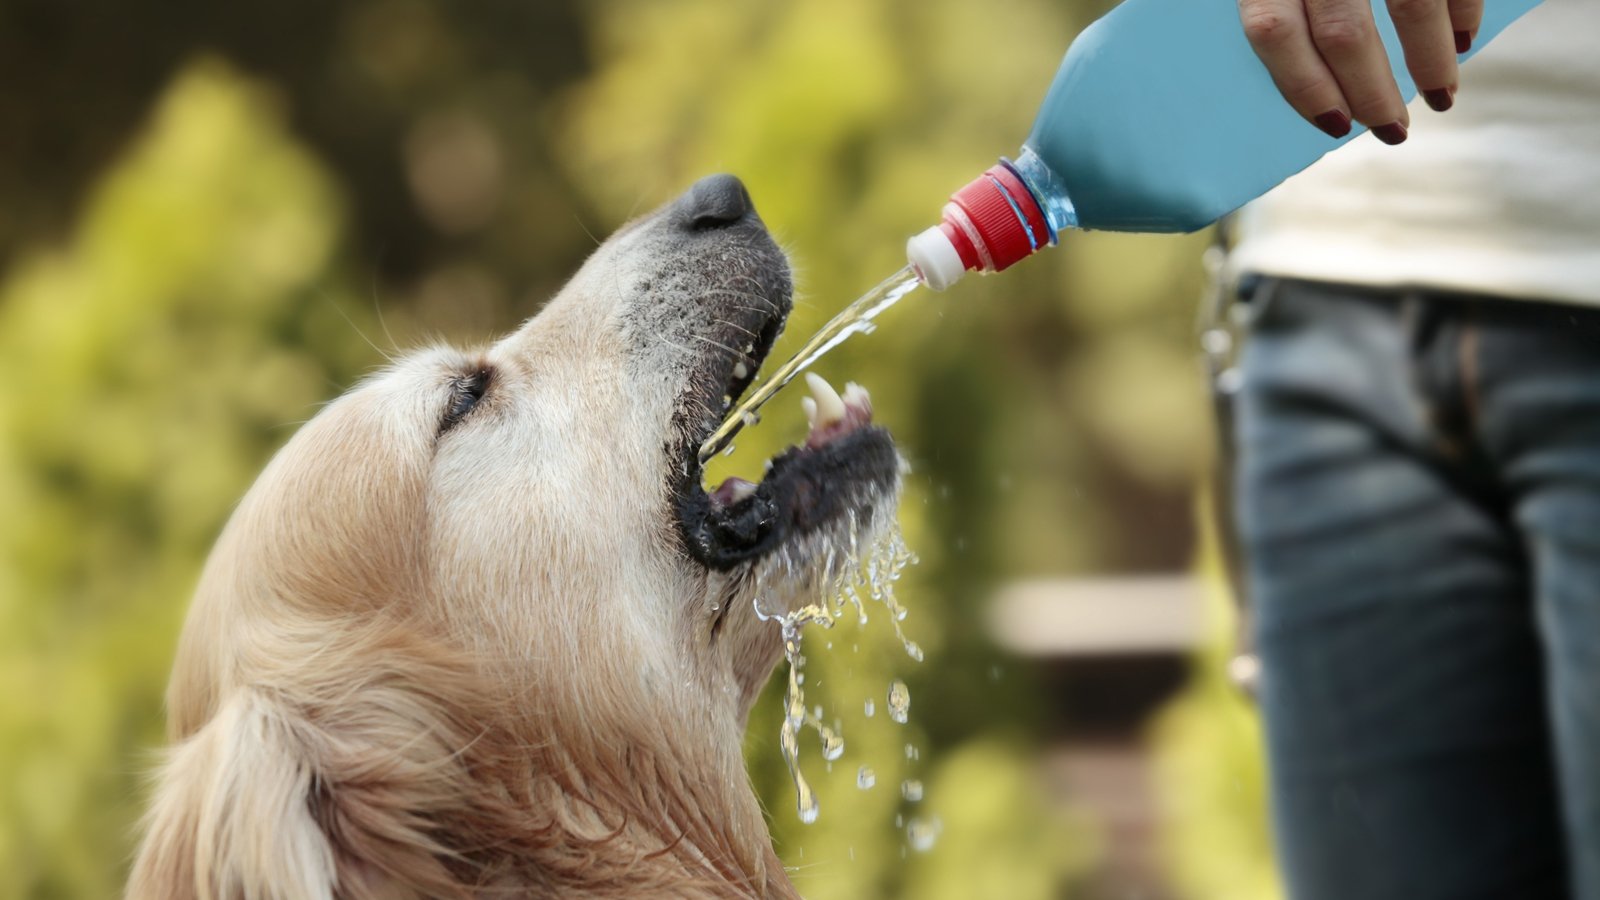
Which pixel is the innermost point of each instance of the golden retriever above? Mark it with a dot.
(479, 631)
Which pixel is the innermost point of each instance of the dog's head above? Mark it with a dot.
(536, 510)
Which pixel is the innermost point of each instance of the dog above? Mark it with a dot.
(479, 630)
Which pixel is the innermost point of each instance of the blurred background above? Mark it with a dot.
(217, 216)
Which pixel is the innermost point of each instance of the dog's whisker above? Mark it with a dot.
(377, 309)
(328, 298)
(717, 344)
(729, 323)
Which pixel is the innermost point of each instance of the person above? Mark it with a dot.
(1418, 470)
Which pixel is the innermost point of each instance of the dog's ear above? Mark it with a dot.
(233, 813)
(353, 795)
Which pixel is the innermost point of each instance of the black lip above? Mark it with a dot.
(805, 491)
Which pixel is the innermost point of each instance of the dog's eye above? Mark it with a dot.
(465, 392)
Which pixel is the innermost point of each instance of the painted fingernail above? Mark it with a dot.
(1463, 41)
(1392, 133)
(1335, 122)
(1439, 99)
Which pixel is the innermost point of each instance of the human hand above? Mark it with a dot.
(1329, 63)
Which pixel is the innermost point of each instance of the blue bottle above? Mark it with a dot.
(1160, 119)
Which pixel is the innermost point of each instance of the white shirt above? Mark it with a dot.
(1499, 195)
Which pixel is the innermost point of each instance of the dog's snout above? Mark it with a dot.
(715, 201)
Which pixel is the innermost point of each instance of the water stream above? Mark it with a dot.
(853, 319)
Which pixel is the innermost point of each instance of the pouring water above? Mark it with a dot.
(853, 319)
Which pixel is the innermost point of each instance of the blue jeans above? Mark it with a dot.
(1419, 506)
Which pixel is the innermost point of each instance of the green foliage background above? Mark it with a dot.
(260, 232)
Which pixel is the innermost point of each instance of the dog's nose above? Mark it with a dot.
(715, 201)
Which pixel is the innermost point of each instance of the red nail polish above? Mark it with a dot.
(1439, 99)
(1463, 41)
(1392, 133)
(1334, 122)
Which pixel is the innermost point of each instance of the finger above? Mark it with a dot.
(1429, 41)
(1465, 17)
(1346, 36)
(1281, 36)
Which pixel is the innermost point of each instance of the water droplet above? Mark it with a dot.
(911, 789)
(865, 778)
(899, 701)
(911, 751)
(871, 708)
(922, 833)
(749, 419)
(805, 800)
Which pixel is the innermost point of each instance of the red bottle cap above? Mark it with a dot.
(1003, 215)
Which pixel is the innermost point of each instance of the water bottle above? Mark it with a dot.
(1160, 119)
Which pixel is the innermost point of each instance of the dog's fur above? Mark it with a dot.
(511, 652)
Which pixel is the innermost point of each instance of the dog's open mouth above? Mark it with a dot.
(834, 478)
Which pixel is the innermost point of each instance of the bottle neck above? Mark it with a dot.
(1001, 217)
(1047, 190)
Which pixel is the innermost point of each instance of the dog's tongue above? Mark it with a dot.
(831, 417)
(731, 491)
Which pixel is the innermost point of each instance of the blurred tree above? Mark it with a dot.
(359, 82)
(188, 324)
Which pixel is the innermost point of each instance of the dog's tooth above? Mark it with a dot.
(740, 370)
(810, 406)
(830, 407)
(739, 490)
(857, 396)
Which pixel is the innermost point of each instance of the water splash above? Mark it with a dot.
(922, 833)
(899, 701)
(875, 570)
(794, 707)
(853, 319)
